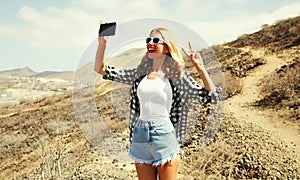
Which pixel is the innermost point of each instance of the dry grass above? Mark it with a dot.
(281, 90)
(241, 150)
(215, 161)
(234, 85)
(12, 139)
(282, 35)
(58, 126)
(51, 161)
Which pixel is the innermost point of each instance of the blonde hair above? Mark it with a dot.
(174, 62)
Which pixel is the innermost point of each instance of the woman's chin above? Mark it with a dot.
(150, 55)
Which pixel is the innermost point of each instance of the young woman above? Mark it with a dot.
(159, 102)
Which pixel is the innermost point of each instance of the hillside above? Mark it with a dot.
(128, 58)
(258, 138)
(23, 84)
(282, 35)
(27, 72)
(65, 75)
(22, 72)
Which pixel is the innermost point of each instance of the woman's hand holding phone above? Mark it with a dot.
(101, 39)
(106, 29)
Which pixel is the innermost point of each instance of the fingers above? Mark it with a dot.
(185, 52)
(191, 54)
(102, 37)
(196, 55)
(191, 50)
(190, 46)
(102, 22)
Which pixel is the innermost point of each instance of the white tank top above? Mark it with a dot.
(155, 97)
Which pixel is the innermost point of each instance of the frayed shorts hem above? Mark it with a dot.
(157, 162)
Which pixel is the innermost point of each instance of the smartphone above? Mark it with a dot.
(108, 29)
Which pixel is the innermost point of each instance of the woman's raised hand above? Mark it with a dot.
(194, 57)
(102, 39)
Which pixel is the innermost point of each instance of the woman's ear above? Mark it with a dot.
(167, 49)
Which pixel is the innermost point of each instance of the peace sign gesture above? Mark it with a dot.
(198, 63)
(194, 57)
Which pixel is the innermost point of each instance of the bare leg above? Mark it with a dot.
(146, 171)
(169, 170)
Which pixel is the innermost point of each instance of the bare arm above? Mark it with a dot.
(125, 76)
(207, 81)
(99, 65)
(198, 63)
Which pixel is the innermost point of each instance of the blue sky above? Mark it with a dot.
(52, 34)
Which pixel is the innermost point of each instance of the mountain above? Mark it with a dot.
(129, 58)
(21, 72)
(65, 75)
(27, 72)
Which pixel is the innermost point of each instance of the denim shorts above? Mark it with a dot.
(154, 142)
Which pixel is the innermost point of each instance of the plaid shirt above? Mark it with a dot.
(187, 89)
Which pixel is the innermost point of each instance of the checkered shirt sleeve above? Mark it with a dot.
(125, 76)
(197, 92)
(188, 89)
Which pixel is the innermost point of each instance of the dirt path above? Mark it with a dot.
(239, 105)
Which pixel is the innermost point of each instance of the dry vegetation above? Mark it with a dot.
(241, 151)
(281, 90)
(41, 138)
(282, 35)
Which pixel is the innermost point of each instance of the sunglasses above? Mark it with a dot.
(155, 40)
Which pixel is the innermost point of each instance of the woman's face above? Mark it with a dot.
(156, 50)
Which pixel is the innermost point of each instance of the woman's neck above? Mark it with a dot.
(158, 65)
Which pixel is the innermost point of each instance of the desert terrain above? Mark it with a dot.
(258, 136)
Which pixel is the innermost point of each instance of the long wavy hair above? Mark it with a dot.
(174, 62)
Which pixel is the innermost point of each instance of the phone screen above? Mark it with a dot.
(108, 29)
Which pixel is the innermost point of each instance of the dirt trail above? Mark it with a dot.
(239, 105)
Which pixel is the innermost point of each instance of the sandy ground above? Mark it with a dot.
(239, 104)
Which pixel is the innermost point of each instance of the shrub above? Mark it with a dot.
(281, 90)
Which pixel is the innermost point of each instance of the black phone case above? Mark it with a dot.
(108, 29)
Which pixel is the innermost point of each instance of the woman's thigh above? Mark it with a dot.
(169, 170)
(146, 171)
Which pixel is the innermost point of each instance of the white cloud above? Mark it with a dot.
(229, 28)
(194, 9)
(99, 4)
(59, 28)
(284, 12)
(122, 10)
(77, 25)
(8, 31)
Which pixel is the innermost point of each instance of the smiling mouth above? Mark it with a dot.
(151, 50)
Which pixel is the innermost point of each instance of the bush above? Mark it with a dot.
(234, 85)
(281, 90)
